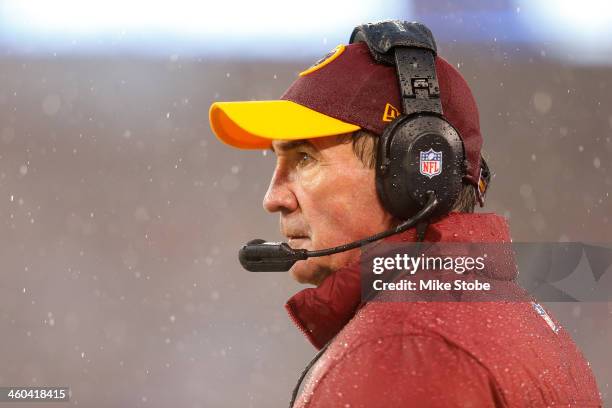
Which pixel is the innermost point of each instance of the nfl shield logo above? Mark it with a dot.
(431, 163)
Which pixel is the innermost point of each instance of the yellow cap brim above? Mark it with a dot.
(254, 124)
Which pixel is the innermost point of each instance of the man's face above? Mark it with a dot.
(325, 197)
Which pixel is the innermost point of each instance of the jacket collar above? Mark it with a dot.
(321, 312)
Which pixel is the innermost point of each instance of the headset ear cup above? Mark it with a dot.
(417, 154)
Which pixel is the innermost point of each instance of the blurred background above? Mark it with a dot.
(121, 214)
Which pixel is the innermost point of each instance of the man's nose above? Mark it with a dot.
(279, 196)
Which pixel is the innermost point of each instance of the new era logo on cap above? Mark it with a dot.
(391, 112)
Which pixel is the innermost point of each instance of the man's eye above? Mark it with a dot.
(304, 159)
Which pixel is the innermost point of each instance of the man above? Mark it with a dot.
(324, 132)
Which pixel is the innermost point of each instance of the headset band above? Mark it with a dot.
(416, 71)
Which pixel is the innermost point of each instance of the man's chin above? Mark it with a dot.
(306, 273)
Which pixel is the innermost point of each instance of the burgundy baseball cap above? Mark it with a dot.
(345, 91)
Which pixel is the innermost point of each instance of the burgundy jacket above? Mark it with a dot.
(437, 354)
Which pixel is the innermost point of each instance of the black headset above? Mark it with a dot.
(419, 151)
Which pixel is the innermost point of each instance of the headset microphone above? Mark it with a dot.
(261, 256)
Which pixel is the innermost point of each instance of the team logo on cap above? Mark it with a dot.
(332, 55)
(431, 163)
